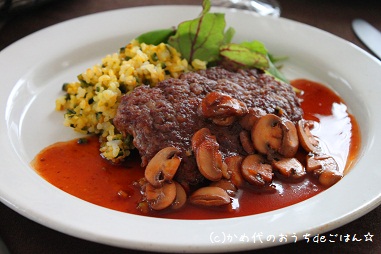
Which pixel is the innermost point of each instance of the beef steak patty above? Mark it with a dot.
(167, 115)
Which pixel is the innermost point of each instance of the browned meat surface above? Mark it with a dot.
(167, 115)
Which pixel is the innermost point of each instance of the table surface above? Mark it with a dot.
(22, 235)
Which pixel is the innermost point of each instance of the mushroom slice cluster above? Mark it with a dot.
(159, 189)
(273, 135)
(321, 165)
(325, 168)
(271, 143)
(163, 166)
(279, 140)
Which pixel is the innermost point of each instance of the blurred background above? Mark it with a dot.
(22, 17)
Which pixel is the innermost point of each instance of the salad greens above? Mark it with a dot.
(206, 38)
(156, 37)
(246, 54)
(202, 37)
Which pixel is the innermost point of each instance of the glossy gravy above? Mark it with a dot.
(78, 169)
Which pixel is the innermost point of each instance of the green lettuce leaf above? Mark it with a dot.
(206, 38)
(250, 55)
(156, 37)
(244, 56)
(274, 71)
(202, 37)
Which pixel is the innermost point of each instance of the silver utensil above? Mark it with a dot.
(369, 35)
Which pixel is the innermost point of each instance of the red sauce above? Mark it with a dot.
(338, 131)
(79, 170)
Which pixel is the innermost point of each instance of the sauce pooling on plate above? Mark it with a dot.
(337, 129)
(77, 168)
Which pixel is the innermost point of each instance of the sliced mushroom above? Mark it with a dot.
(208, 157)
(272, 135)
(162, 197)
(226, 185)
(247, 144)
(325, 168)
(217, 104)
(267, 133)
(307, 140)
(209, 160)
(329, 177)
(222, 108)
(163, 166)
(224, 121)
(199, 137)
(234, 168)
(181, 197)
(317, 163)
(290, 140)
(224, 168)
(256, 171)
(289, 168)
(210, 196)
(247, 121)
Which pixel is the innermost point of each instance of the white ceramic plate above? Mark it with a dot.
(34, 68)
